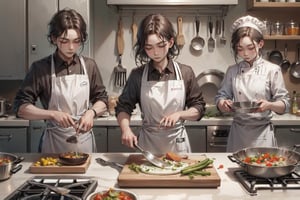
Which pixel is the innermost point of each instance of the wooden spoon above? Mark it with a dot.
(134, 31)
(180, 37)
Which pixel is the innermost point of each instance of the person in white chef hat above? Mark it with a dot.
(252, 78)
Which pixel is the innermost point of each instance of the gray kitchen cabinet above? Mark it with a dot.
(101, 138)
(13, 140)
(38, 45)
(13, 39)
(114, 139)
(197, 137)
(34, 134)
(287, 136)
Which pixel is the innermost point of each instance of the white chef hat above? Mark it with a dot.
(249, 21)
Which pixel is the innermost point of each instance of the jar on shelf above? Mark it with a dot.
(292, 28)
(277, 28)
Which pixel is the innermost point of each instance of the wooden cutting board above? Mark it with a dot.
(129, 178)
(63, 169)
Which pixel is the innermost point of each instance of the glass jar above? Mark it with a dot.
(292, 28)
(277, 28)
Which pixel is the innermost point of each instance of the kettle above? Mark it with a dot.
(3, 106)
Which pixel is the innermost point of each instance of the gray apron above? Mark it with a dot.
(251, 129)
(70, 94)
(158, 99)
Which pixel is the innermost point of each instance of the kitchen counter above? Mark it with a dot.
(12, 121)
(230, 189)
(282, 120)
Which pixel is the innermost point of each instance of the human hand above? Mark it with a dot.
(263, 105)
(129, 138)
(85, 123)
(63, 119)
(225, 105)
(170, 120)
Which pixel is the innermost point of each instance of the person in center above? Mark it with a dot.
(252, 78)
(166, 91)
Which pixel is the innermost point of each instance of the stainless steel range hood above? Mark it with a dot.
(170, 2)
(186, 7)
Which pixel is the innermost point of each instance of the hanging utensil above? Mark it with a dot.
(218, 27)
(152, 159)
(134, 28)
(275, 56)
(197, 42)
(295, 67)
(211, 41)
(180, 37)
(285, 63)
(119, 70)
(223, 39)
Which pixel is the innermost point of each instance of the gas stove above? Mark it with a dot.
(79, 188)
(252, 184)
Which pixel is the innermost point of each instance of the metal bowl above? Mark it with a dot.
(245, 106)
(127, 192)
(73, 158)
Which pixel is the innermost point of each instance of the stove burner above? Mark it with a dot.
(252, 183)
(80, 188)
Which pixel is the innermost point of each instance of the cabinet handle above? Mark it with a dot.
(217, 145)
(296, 130)
(6, 137)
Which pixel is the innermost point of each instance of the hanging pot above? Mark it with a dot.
(295, 67)
(285, 63)
(275, 56)
(209, 82)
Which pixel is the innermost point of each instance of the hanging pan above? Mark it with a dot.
(295, 67)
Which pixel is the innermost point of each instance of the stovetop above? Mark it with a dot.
(252, 184)
(80, 187)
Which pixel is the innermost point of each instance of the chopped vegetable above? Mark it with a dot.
(112, 194)
(173, 156)
(221, 166)
(265, 159)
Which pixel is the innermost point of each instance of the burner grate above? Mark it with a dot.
(252, 184)
(80, 188)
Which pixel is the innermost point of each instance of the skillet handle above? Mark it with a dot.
(233, 159)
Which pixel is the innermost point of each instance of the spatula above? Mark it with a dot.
(223, 39)
(180, 37)
(119, 70)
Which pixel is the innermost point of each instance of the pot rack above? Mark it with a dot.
(207, 10)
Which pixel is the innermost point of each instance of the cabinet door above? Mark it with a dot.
(287, 136)
(114, 139)
(13, 39)
(35, 132)
(197, 137)
(13, 140)
(101, 138)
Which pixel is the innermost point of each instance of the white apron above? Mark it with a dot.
(70, 94)
(251, 129)
(160, 98)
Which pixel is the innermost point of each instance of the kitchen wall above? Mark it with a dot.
(105, 19)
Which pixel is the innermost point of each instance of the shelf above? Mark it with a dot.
(282, 37)
(253, 4)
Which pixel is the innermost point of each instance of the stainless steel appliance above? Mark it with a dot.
(217, 138)
(252, 184)
(80, 187)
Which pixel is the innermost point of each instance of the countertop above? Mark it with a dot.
(282, 120)
(230, 189)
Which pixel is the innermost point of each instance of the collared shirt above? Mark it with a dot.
(132, 90)
(37, 83)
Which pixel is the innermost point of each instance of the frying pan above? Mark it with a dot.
(245, 106)
(275, 56)
(69, 159)
(292, 161)
(285, 63)
(295, 67)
